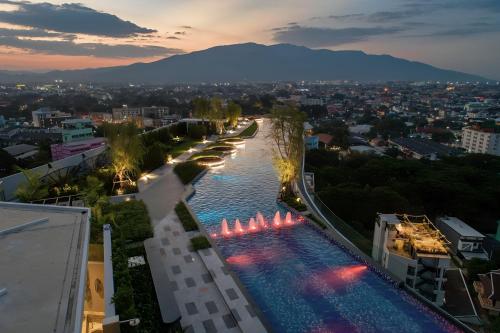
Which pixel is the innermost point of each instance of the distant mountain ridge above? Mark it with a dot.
(257, 63)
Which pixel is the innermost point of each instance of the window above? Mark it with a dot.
(410, 271)
(409, 282)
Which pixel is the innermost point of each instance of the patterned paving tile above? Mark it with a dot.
(236, 314)
(188, 259)
(207, 278)
(232, 294)
(165, 242)
(174, 286)
(176, 251)
(209, 326)
(229, 320)
(211, 307)
(190, 282)
(176, 269)
(191, 308)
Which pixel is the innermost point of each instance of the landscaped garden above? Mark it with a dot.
(187, 221)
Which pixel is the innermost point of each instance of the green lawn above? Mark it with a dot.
(187, 171)
(181, 147)
(250, 130)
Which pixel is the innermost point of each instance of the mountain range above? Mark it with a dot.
(252, 62)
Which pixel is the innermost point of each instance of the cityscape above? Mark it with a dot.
(339, 173)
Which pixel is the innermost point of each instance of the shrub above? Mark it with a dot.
(200, 243)
(132, 220)
(188, 171)
(154, 156)
(188, 223)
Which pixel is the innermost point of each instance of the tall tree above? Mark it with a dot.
(217, 114)
(201, 108)
(287, 128)
(127, 152)
(233, 112)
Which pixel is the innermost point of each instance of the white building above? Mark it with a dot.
(481, 140)
(413, 250)
(43, 267)
(465, 241)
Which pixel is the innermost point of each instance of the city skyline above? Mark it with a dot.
(36, 35)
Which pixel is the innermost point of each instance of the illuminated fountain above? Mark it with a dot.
(252, 225)
(225, 228)
(257, 224)
(261, 221)
(277, 219)
(238, 228)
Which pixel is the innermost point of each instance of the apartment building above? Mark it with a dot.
(481, 140)
(413, 250)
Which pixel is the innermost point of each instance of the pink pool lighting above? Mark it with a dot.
(336, 279)
(255, 225)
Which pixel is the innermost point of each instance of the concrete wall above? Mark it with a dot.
(9, 184)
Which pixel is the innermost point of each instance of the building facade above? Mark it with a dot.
(46, 118)
(479, 140)
(413, 250)
(465, 241)
(77, 130)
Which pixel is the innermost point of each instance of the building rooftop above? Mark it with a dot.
(461, 227)
(419, 233)
(424, 146)
(43, 267)
(20, 149)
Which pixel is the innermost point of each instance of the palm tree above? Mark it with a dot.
(33, 188)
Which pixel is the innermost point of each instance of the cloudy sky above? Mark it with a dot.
(40, 35)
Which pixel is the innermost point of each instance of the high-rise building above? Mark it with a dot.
(481, 139)
(413, 250)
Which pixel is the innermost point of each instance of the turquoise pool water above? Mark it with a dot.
(301, 280)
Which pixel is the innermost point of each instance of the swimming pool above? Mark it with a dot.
(300, 279)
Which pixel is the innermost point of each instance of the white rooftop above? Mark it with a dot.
(461, 227)
(390, 218)
(42, 267)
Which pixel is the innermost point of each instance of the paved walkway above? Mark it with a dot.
(201, 304)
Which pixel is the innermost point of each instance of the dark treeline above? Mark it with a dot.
(358, 187)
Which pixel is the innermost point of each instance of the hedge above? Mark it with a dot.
(185, 217)
(200, 243)
(250, 130)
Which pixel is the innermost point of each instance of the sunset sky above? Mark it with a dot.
(455, 34)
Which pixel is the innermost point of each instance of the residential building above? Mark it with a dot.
(43, 267)
(422, 148)
(60, 151)
(125, 113)
(77, 130)
(414, 251)
(22, 151)
(46, 118)
(488, 291)
(146, 116)
(465, 241)
(481, 140)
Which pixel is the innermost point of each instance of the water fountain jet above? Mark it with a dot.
(277, 219)
(288, 219)
(261, 221)
(238, 228)
(225, 228)
(252, 225)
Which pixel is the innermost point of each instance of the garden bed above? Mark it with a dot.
(187, 221)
